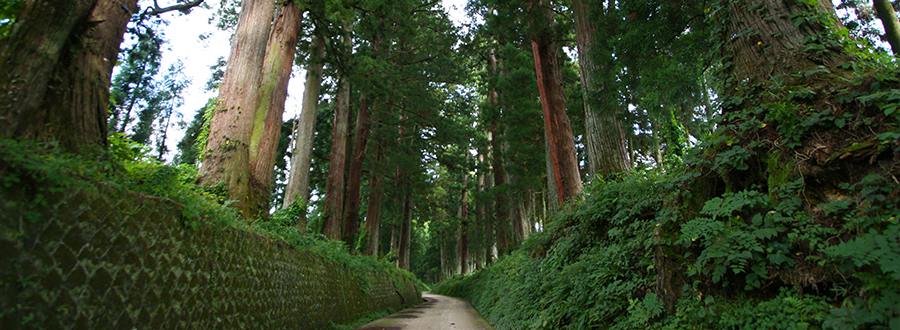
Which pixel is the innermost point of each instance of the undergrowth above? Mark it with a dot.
(787, 218)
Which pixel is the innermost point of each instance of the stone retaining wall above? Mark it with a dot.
(107, 259)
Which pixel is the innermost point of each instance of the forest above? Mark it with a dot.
(558, 163)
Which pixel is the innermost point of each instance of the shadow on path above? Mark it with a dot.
(437, 312)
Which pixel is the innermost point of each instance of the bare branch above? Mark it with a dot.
(157, 10)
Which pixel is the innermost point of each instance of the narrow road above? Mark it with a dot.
(437, 312)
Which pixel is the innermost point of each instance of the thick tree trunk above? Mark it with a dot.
(228, 150)
(553, 102)
(354, 179)
(889, 21)
(761, 48)
(301, 157)
(54, 78)
(334, 198)
(302, 137)
(605, 138)
(376, 200)
(764, 45)
(515, 211)
(405, 231)
(276, 73)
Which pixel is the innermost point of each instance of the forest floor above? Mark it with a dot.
(437, 312)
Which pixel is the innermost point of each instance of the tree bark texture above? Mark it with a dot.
(490, 239)
(890, 22)
(228, 150)
(55, 69)
(354, 179)
(445, 257)
(552, 195)
(276, 74)
(479, 215)
(301, 157)
(405, 231)
(501, 200)
(764, 41)
(334, 198)
(376, 201)
(605, 139)
(553, 102)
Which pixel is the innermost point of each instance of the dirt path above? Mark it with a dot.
(438, 312)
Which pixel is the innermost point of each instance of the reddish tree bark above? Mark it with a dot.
(334, 198)
(354, 178)
(55, 69)
(276, 73)
(376, 200)
(553, 102)
(228, 148)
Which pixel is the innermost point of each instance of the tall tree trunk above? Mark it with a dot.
(395, 238)
(552, 195)
(445, 257)
(605, 138)
(501, 200)
(334, 198)
(553, 102)
(54, 78)
(890, 22)
(276, 73)
(516, 218)
(376, 199)
(360, 141)
(301, 157)
(462, 238)
(405, 231)
(354, 179)
(478, 255)
(228, 150)
(490, 237)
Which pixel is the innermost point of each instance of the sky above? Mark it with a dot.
(184, 44)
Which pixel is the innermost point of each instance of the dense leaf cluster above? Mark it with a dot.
(786, 218)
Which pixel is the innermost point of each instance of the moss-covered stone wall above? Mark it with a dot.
(107, 259)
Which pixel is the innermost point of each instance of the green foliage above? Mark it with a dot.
(784, 311)
(9, 10)
(752, 234)
(592, 266)
(37, 167)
